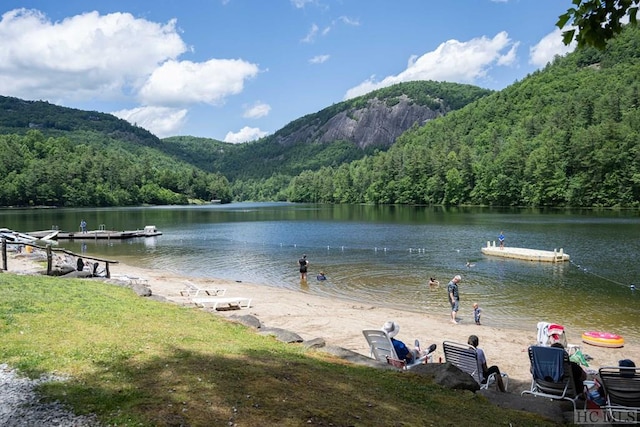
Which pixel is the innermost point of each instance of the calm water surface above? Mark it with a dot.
(385, 255)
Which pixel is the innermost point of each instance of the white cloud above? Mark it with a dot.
(160, 121)
(319, 59)
(244, 135)
(548, 47)
(184, 82)
(80, 57)
(311, 35)
(300, 4)
(453, 61)
(349, 21)
(257, 110)
(115, 57)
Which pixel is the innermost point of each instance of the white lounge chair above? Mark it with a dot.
(193, 290)
(383, 351)
(218, 303)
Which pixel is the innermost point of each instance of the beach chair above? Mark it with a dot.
(220, 303)
(465, 358)
(382, 350)
(622, 392)
(551, 374)
(551, 333)
(193, 290)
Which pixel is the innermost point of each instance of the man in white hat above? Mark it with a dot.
(391, 328)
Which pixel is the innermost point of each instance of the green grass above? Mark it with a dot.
(139, 362)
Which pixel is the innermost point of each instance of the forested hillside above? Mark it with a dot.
(338, 134)
(56, 156)
(565, 136)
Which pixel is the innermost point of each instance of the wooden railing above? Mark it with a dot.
(49, 250)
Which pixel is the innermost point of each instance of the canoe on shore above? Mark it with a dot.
(525, 254)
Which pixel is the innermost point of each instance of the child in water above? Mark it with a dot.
(476, 313)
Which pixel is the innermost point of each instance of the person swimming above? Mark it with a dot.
(321, 276)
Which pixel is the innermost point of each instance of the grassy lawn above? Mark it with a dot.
(139, 362)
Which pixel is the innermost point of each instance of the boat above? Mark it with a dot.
(525, 253)
(16, 237)
(603, 339)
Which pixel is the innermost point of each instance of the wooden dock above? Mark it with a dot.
(148, 231)
(525, 254)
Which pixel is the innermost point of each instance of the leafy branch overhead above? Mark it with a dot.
(594, 22)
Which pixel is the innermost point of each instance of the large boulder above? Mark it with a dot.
(282, 335)
(447, 375)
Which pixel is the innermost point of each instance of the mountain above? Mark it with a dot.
(338, 134)
(564, 136)
(379, 117)
(57, 156)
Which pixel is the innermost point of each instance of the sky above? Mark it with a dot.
(239, 70)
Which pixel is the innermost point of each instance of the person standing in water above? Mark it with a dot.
(304, 266)
(454, 297)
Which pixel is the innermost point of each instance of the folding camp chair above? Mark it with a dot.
(552, 375)
(465, 358)
(621, 387)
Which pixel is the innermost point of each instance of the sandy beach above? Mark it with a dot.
(340, 322)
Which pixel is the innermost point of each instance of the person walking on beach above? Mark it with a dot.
(501, 240)
(454, 297)
(304, 266)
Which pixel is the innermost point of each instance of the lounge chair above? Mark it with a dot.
(193, 290)
(622, 391)
(550, 333)
(383, 351)
(218, 303)
(465, 358)
(552, 376)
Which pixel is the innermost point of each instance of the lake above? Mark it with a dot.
(386, 254)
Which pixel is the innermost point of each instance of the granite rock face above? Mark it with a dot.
(376, 124)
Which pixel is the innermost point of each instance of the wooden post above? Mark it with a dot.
(107, 270)
(49, 260)
(4, 254)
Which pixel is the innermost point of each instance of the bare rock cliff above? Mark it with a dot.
(377, 124)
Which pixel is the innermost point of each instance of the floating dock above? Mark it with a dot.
(525, 254)
(148, 231)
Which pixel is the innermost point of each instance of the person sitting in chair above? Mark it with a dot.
(579, 375)
(482, 361)
(391, 328)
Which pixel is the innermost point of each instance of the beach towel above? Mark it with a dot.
(548, 363)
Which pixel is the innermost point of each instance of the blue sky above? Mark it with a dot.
(237, 70)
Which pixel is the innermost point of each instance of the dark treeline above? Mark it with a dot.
(565, 136)
(37, 170)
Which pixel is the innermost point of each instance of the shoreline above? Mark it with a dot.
(340, 322)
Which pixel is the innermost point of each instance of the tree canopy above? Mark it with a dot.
(594, 22)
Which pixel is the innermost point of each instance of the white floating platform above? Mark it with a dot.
(525, 254)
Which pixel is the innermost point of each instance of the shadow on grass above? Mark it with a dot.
(263, 388)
